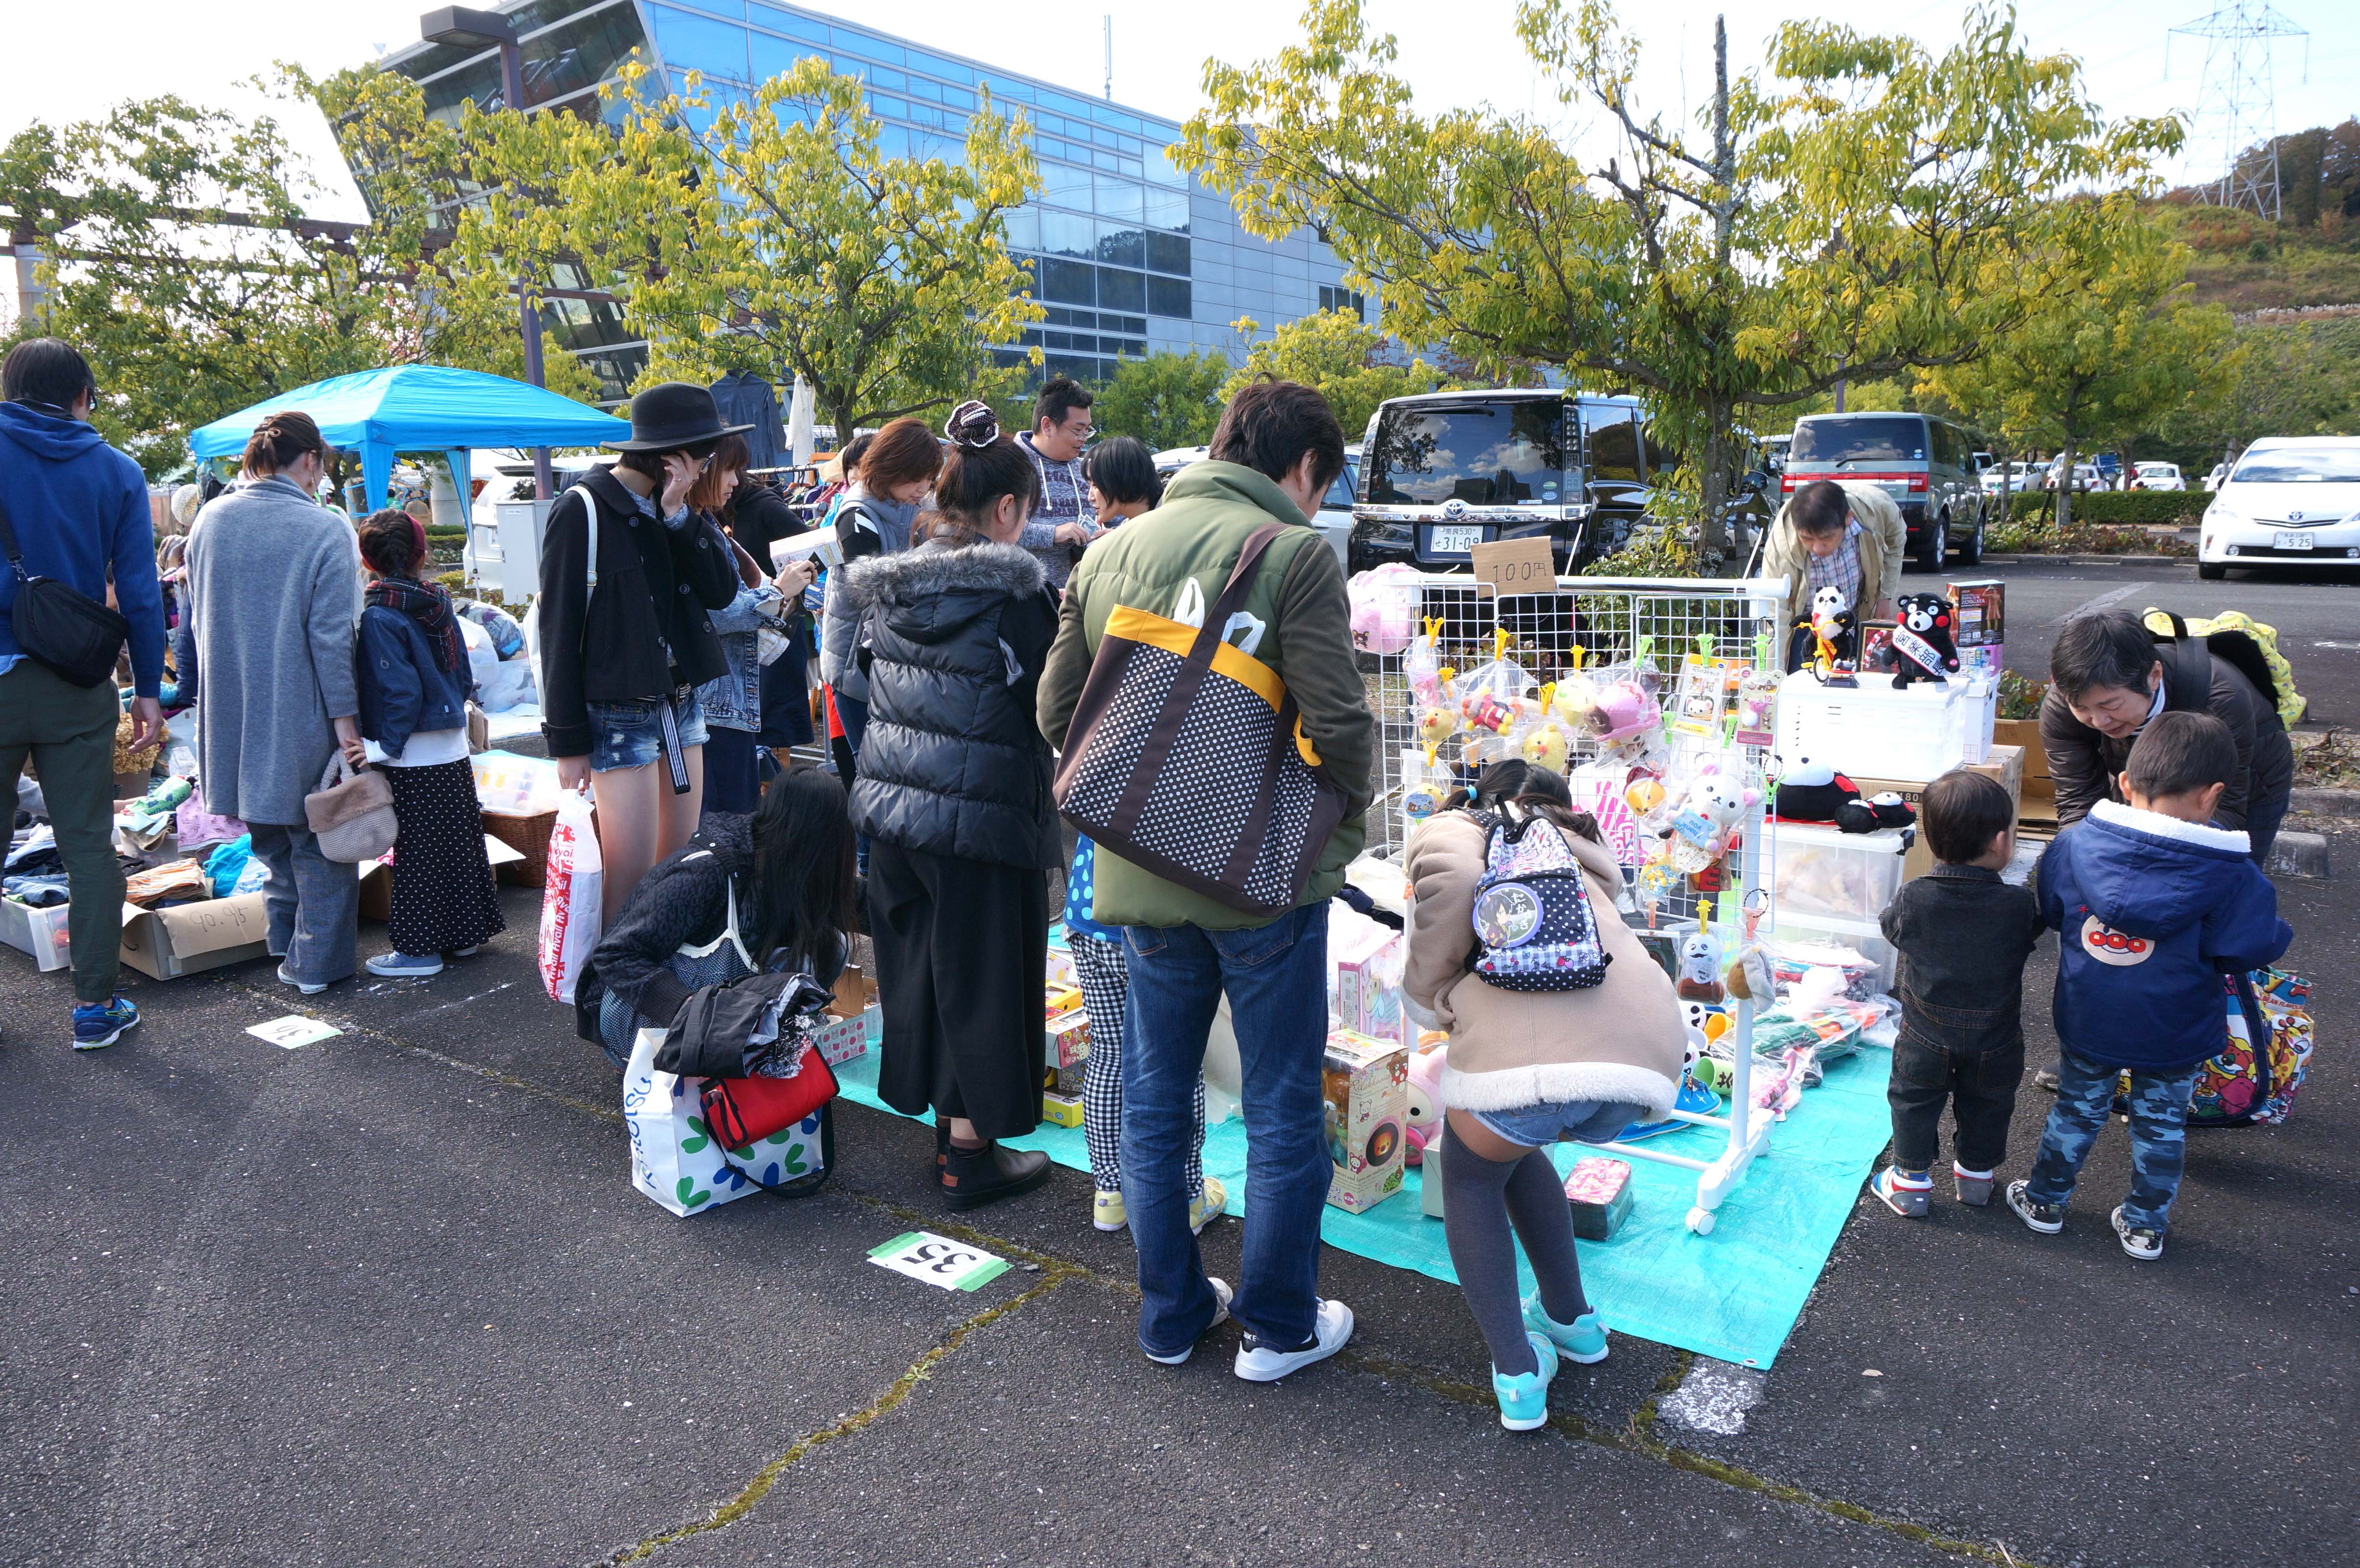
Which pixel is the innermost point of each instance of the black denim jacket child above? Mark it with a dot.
(1963, 935)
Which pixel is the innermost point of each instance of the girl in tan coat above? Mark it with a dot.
(1527, 1068)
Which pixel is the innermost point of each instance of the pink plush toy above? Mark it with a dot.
(1384, 608)
(1622, 711)
(1425, 1101)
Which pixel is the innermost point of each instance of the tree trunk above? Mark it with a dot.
(1711, 537)
(2064, 472)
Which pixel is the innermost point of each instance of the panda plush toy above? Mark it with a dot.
(1922, 648)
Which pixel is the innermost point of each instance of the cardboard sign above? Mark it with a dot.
(938, 1261)
(1515, 566)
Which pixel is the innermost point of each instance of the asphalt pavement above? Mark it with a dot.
(389, 1297)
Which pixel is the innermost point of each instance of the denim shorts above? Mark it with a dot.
(1561, 1121)
(630, 733)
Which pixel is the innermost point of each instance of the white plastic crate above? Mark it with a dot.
(1921, 731)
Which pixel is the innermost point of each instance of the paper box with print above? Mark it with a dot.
(1067, 1052)
(1368, 983)
(1365, 1085)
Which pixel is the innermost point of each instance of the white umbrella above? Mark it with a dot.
(799, 422)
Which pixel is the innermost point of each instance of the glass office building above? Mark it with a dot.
(1130, 255)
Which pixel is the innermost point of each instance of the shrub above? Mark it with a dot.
(2040, 537)
(2156, 508)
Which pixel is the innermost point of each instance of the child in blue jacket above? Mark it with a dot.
(2152, 907)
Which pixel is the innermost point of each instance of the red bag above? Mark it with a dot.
(744, 1111)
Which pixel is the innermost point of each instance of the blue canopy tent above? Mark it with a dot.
(420, 408)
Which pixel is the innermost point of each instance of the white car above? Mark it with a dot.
(2012, 476)
(2156, 477)
(2290, 498)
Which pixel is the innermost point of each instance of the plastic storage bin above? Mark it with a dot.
(1921, 731)
(1819, 873)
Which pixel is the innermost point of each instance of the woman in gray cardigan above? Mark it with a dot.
(274, 597)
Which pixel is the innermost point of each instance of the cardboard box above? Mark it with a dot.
(1365, 1003)
(2005, 763)
(2037, 804)
(1066, 1053)
(165, 944)
(1599, 1191)
(1365, 1085)
(1063, 973)
(841, 1040)
(853, 992)
(377, 879)
(41, 933)
(1063, 1110)
(1061, 999)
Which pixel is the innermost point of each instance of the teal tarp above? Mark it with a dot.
(420, 408)
(1735, 1294)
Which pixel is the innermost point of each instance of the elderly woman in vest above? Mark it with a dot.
(954, 793)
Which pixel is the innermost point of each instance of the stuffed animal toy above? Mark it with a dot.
(1384, 608)
(1922, 647)
(1425, 1102)
(1884, 811)
(1708, 813)
(1835, 633)
(1545, 746)
(1621, 712)
(1699, 970)
(1813, 792)
(1435, 725)
(1573, 698)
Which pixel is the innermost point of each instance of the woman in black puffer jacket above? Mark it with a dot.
(954, 792)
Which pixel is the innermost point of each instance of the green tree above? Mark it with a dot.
(2291, 379)
(1857, 210)
(178, 255)
(769, 233)
(1342, 356)
(2109, 348)
(1167, 399)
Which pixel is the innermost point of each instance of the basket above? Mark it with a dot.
(529, 836)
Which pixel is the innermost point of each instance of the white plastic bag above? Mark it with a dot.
(675, 1160)
(569, 910)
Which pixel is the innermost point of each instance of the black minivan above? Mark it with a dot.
(1928, 465)
(1447, 471)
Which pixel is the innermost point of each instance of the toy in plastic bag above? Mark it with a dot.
(1426, 783)
(1544, 745)
(1422, 665)
(1494, 698)
(1707, 818)
(1757, 708)
(1384, 608)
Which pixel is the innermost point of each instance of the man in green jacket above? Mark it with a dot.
(1277, 449)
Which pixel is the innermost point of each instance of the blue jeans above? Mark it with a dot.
(1276, 978)
(2085, 1094)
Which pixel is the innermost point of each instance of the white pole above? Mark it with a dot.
(1110, 57)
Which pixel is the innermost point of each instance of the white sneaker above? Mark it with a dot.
(300, 988)
(1331, 1326)
(1221, 1294)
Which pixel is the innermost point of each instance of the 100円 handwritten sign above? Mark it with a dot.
(1514, 566)
(938, 1260)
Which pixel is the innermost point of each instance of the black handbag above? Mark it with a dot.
(60, 627)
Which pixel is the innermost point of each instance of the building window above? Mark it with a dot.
(1167, 253)
(1168, 296)
(1344, 299)
(698, 43)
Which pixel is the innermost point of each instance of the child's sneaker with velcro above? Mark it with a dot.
(1524, 1399)
(1974, 1186)
(1905, 1192)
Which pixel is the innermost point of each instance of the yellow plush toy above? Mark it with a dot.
(1435, 725)
(1545, 746)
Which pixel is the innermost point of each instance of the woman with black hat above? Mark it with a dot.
(627, 573)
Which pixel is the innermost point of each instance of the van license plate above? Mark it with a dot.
(2286, 541)
(1454, 541)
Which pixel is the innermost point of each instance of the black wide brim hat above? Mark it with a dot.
(674, 414)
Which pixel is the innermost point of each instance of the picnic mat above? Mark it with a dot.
(1735, 1294)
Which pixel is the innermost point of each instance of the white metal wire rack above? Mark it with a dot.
(1610, 620)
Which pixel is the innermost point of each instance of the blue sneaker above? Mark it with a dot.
(1524, 1399)
(98, 1023)
(1583, 1340)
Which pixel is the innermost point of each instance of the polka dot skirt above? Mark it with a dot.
(443, 894)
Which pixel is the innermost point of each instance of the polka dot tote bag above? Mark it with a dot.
(1186, 755)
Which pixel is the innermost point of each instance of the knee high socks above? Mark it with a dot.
(1480, 1199)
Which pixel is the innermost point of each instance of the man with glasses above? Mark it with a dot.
(1061, 524)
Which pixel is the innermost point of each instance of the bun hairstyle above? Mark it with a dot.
(393, 542)
(982, 467)
(280, 439)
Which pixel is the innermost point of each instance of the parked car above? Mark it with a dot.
(2085, 477)
(2010, 477)
(1925, 463)
(2110, 470)
(2156, 477)
(2219, 471)
(2289, 499)
(1447, 471)
(1334, 518)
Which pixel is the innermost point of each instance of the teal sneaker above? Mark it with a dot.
(1524, 1399)
(99, 1024)
(1583, 1340)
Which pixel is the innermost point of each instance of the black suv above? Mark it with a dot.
(1447, 471)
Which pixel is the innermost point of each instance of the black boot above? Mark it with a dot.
(972, 1177)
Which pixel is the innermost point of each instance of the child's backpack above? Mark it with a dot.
(2244, 642)
(2256, 1075)
(1533, 927)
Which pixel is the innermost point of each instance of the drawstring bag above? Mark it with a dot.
(1187, 757)
(1535, 930)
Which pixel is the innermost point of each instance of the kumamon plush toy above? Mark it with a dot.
(1922, 648)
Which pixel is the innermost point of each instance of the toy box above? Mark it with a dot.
(1599, 1191)
(1061, 1110)
(1980, 603)
(1920, 733)
(1063, 973)
(1365, 1085)
(1368, 990)
(840, 1040)
(1068, 1050)
(1061, 999)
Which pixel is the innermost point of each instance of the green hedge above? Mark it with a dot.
(2156, 508)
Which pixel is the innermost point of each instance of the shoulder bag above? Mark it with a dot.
(60, 627)
(1187, 757)
(351, 813)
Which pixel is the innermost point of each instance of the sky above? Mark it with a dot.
(1461, 52)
